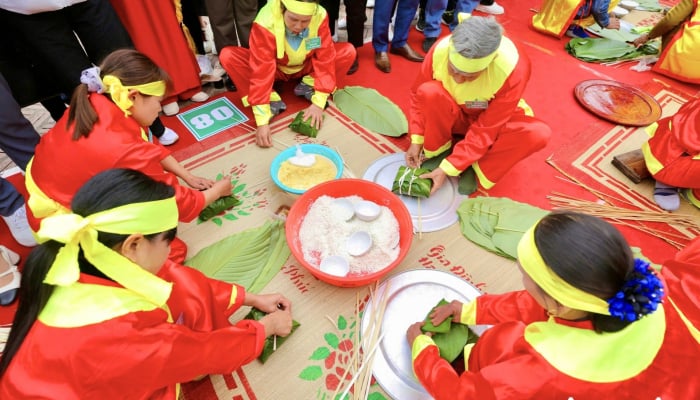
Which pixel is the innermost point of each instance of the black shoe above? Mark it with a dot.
(420, 25)
(428, 43)
(229, 84)
(355, 65)
(448, 17)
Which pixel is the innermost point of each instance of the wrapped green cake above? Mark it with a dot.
(299, 125)
(408, 183)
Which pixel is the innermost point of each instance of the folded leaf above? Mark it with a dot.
(605, 50)
(219, 205)
(299, 125)
(408, 183)
(269, 346)
(452, 342)
(370, 109)
(444, 325)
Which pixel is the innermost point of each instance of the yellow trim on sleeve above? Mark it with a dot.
(262, 114)
(421, 342)
(320, 99)
(440, 150)
(234, 295)
(417, 139)
(449, 169)
(467, 351)
(468, 314)
(483, 180)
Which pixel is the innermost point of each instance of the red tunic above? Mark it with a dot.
(61, 165)
(139, 355)
(503, 365)
(155, 31)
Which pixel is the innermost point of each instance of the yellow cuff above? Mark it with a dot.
(449, 169)
(421, 342)
(468, 314)
(320, 99)
(262, 114)
(440, 150)
(417, 139)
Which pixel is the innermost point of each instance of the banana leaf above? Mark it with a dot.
(443, 327)
(497, 224)
(408, 183)
(299, 125)
(372, 110)
(649, 5)
(606, 50)
(269, 346)
(624, 34)
(466, 184)
(250, 258)
(219, 205)
(452, 342)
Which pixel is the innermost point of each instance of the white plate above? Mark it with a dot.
(410, 296)
(437, 212)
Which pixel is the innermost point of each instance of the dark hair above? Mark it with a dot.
(589, 254)
(131, 67)
(104, 191)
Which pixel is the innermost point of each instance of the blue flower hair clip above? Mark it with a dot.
(640, 295)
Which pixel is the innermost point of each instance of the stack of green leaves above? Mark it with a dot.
(408, 182)
(250, 258)
(302, 126)
(450, 338)
(370, 109)
(607, 50)
(219, 205)
(466, 184)
(271, 343)
(496, 223)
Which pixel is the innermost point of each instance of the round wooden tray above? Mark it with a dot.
(618, 102)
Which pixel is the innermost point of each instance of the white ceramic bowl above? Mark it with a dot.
(359, 243)
(344, 208)
(367, 210)
(335, 265)
(619, 12)
(629, 4)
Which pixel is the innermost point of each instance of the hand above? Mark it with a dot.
(278, 323)
(414, 155)
(269, 303)
(196, 182)
(438, 176)
(222, 187)
(316, 114)
(613, 23)
(263, 138)
(414, 331)
(641, 40)
(451, 310)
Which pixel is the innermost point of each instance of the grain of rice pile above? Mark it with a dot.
(324, 233)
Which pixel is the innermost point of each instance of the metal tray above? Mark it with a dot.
(410, 296)
(437, 212)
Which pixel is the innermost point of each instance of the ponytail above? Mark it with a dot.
(80, 113)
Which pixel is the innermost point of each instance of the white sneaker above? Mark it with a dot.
(171, 109)
(19, 227)
(370, 3)
(169, 137)
(342, 23)
(494, 9)
(200, 97)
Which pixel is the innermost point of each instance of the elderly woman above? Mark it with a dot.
(471, 83)
(290, 39)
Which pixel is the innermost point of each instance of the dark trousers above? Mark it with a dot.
(356, 15)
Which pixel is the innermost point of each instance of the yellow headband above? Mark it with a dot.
(567, 295)
(120, 93)
(81, 232)
(469, 65)
(300, 7)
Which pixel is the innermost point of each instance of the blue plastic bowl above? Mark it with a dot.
(321, 150)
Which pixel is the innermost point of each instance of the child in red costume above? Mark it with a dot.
(592, 323)
(102, 316)
(104, 129)
(290, 39)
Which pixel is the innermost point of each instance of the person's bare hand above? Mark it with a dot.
(641, 40)
(316, 114)
(223, 187)
(414, 331)
(199, 183)
(438, 176)
(414, 155)
(263, 138)
(613, 23)
(271, 302)
(278, 323)
(441, 313)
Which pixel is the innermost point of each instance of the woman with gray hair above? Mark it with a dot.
(471, 83)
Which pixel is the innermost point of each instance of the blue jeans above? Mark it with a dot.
(17, 139)
(433, 15)
(383, 11)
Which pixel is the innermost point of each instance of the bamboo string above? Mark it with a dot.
(420, 220)
(597, 193)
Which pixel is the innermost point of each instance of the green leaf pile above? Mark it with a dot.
(372, 110)
(250, 258)
(606, 50)
(496, 223)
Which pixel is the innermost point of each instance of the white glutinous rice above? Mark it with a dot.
(324, 233)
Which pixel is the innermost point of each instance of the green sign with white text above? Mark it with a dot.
(211, 118)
